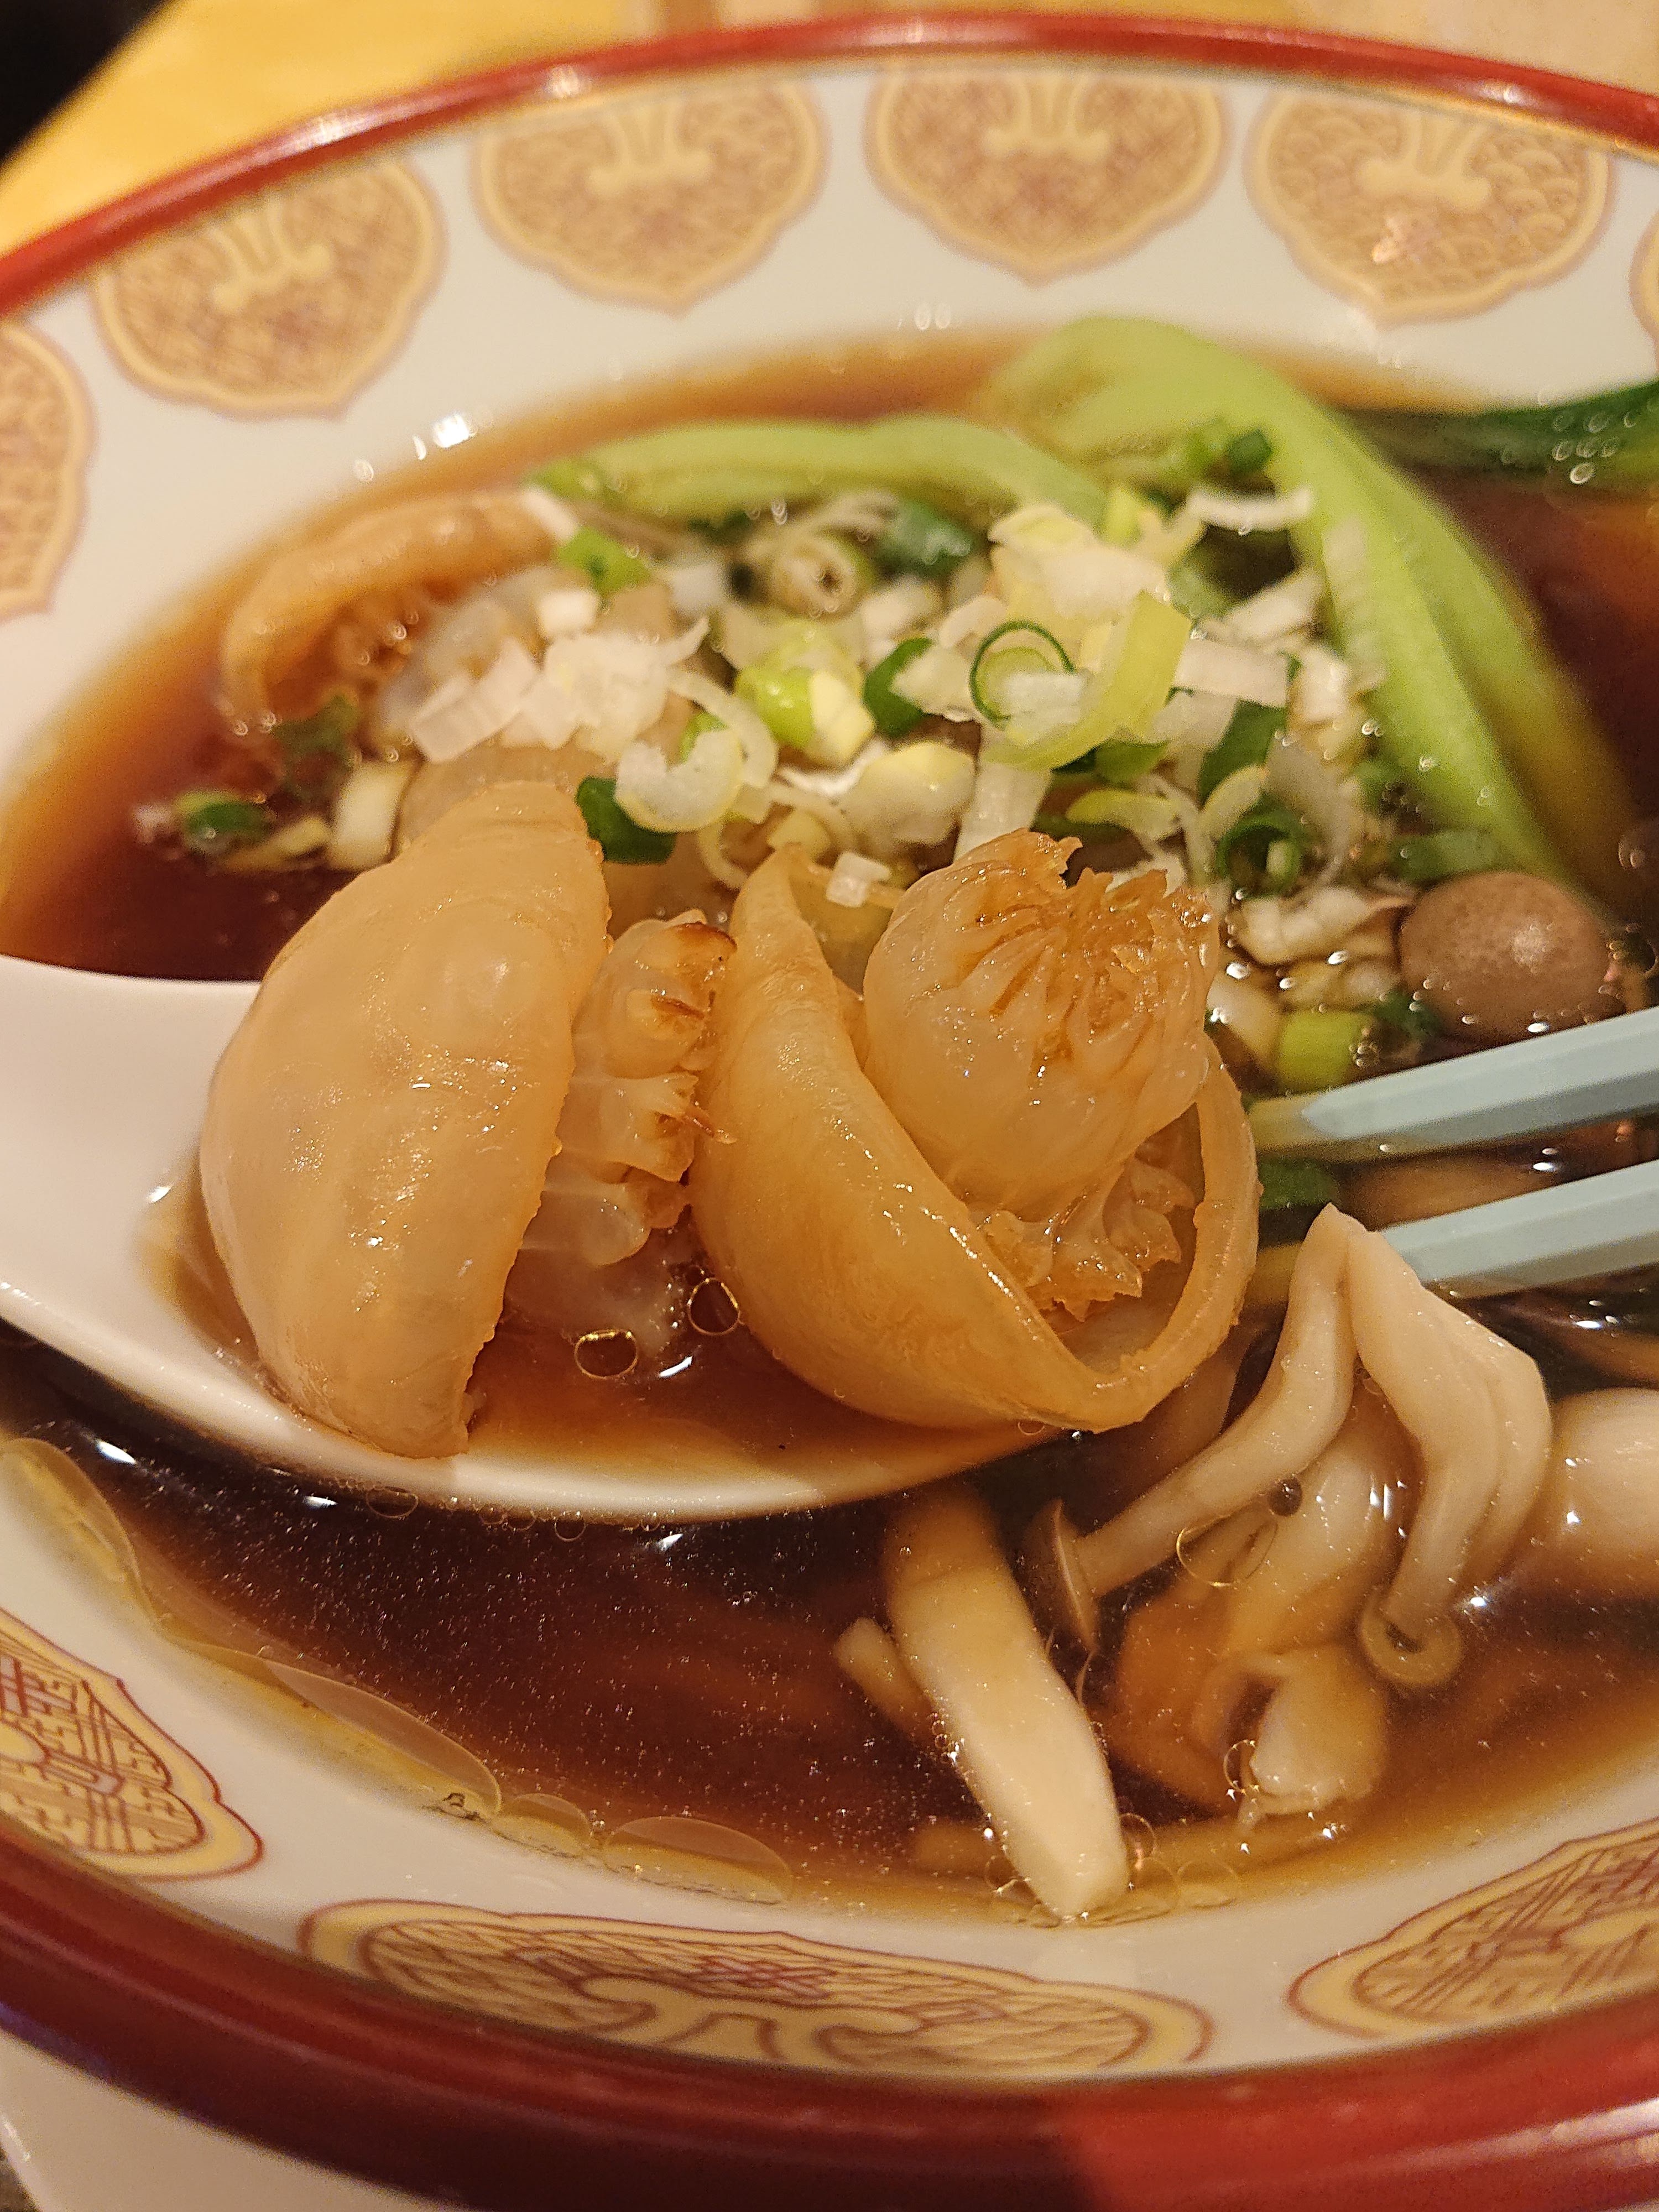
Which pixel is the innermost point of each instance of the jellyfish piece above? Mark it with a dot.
(594, 1256)
(420, 546)
(1012, 1180)
(379, 1128)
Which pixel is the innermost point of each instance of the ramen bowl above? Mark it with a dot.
(302, 1910)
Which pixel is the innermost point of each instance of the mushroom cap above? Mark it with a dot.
(1498, 956)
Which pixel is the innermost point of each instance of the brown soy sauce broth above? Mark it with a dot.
(689, 1671)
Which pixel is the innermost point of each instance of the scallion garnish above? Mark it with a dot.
(618, 835)
(920, 541)
(318, 754)
(1287, 1183)
(1012, 648)
(1320, 1048)
(1126, 760)
(1244, 744)
(1412, 1016)
(212, 821)
(605, 561)
(893, 713)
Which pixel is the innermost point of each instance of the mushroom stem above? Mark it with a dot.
(1022, 1742)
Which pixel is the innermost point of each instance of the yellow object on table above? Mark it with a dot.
(204, 74)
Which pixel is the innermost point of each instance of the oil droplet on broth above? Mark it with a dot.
(687, 1853)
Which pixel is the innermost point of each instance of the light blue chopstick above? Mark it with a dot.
(1555, 1082)
(1600, 1226)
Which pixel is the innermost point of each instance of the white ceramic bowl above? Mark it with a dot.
(203, 1896)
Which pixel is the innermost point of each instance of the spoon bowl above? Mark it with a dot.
(106, 1078)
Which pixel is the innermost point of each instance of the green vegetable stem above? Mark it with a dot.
(706, 471)
(1481, 724)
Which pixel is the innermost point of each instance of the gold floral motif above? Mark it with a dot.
(1417, 215)
(662, 199)
(82, 1768)
(1576, 1928)
(1044, 170)
(45, 435)
(287, 304)
(772, 1996)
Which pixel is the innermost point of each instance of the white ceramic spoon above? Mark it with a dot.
(102, 1080)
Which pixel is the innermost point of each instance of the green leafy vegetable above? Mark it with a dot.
(605, 561)
(1481, 724)
(1379, 780)
(701, 472)
(1608, 441)
(920, 541)
(618, 835)
(892, 713)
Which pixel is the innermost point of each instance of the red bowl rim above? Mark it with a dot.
(1557, 2116)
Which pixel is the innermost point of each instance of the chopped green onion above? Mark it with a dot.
(219, 821)
(1142, 813)
(318, 754)
(1444, 853)
(1126, 760)
(605, 561)
(701, 721)
(782, 697)
(1248, 844)
(1412, 1016)
(1244, 744)
(919, 541)
(618, 835)
(1319, 1048)
(1286, 1183)
(893, 713)
(1012, 648)
(1120, 701)
(1283, 863)
(1194, 454)
(1248, 454)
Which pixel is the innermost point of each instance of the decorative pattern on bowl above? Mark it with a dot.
(662, 199)
(82, 1768)
(1580, 1925)
(285, 304)
(775, 1997)
(1044, 171)
(45, 435)
(1418, 213)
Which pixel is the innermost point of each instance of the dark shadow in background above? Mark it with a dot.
(46, 47)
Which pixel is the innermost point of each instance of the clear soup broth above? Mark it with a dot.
(638, 1674)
